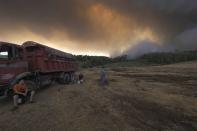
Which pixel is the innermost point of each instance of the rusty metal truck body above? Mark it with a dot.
(35, 62)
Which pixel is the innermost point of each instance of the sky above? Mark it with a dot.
(101, 27)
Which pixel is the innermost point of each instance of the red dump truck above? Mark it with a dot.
(33, 62)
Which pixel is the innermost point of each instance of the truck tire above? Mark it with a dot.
(72, 77)
(66, 78)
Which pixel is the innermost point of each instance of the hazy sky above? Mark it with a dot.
(99, 27)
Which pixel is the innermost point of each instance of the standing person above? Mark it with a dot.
(103, 77)
(20, 94)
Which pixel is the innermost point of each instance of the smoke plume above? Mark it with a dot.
(101, 27)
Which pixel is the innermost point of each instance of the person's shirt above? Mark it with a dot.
(19, 88)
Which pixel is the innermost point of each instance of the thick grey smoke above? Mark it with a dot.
(103, 25)
(145, 47)
(142, 48)
(167, 18)
(187, 40)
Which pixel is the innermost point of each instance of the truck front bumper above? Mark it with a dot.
(3, 89)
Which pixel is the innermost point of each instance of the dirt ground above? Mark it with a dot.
(160, 98)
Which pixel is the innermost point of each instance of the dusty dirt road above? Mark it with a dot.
(162, 98)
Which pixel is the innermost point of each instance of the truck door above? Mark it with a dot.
(12, 63)
(18, 63)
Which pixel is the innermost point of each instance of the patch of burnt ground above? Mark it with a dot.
(146, 115)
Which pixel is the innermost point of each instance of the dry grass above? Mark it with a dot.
(137, 99)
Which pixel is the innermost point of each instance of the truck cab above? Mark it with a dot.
(12, 63)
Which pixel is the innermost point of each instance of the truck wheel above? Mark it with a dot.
(72, 77)
(66, 79)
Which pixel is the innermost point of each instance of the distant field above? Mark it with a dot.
(139, 98)
(131, 63)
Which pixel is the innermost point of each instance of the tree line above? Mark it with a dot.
(169, 57)
(93, 61)
(150, 58)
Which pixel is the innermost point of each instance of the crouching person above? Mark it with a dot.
(20, 94)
